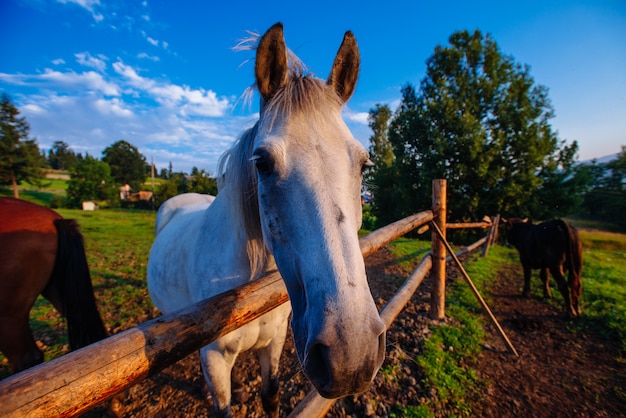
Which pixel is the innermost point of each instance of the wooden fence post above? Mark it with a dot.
(438, 271)
(492, 234)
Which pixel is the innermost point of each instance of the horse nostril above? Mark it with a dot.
(318, 365)
(381, 351)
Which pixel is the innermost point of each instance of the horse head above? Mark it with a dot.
(308, 170)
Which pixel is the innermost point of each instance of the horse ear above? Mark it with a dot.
(345, 71)
(271, 67)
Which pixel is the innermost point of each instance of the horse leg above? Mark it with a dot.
(576, 286)
(17, 343)
(527, 274)
(217, 366)
(269, 360)
(557, 273)
(545, 279)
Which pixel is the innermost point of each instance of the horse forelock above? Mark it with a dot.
(301, 95)
(237, 173)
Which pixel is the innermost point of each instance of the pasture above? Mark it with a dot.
(118, 243)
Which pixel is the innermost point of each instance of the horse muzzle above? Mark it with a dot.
(340, 367)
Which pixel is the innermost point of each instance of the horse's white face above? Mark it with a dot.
(309, 182)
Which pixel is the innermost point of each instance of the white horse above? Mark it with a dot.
(290, 195)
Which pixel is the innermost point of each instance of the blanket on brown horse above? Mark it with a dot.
(552, 245)
(42, 253)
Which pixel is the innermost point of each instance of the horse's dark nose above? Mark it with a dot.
(334, 377)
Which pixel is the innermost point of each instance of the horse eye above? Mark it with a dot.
(367, 164)
(263, 165)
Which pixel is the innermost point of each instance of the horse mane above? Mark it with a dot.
(302, 94)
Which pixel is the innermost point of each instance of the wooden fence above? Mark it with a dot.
(78, 381)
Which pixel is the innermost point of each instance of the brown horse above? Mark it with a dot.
(42, 253)
(551, 245)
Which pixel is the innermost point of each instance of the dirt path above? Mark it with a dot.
(559, 374)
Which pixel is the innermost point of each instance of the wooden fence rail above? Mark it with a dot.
(77, 381)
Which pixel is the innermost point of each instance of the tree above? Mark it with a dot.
(381, 152)
(90, 179)
(605, 198)
(20, 158)
(480, 122)
(60, 156)
(201, 182)
(563, 186)
(127, 164)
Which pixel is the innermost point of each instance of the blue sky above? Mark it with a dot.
(162, 75)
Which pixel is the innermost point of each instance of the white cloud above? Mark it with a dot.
(32, 109)
(58, 61)
(152, 41)
(113, 107)
(89, 80)
(90, 110)
(358, 117)
(131, 76)
(144, 55)
(89, 5)
(189, 101)
(85, 58)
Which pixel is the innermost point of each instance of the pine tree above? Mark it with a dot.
(20, 159)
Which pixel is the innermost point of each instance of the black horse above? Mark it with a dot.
(553, 245)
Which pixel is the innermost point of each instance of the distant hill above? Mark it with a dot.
(602, 160)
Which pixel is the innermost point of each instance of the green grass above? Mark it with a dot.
(602, 240)
(449, 353)
(595, 224)
(117, 244)
(43, 196)
(604, 285)
(409, 252)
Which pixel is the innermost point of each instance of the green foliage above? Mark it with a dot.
(127, 164)
(481, 122)
(605, 196)
(90, 179)
(381, 152)
(61, 157)
(200, 181)
(369, 219)
(20, 160)
(166, 190)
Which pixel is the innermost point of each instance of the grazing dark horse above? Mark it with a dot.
(551, 245)
(42, 253)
